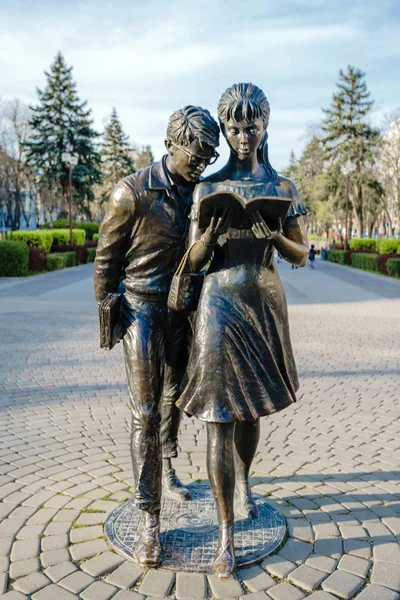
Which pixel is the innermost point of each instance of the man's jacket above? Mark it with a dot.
(142, 234)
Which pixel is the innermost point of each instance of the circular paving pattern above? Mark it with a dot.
(189, 532)
(330, 463)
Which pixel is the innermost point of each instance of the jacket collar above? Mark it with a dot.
(158, 176)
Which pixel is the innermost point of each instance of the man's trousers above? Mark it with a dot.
(156, 343)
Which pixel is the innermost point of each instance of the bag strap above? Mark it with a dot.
(183, 262)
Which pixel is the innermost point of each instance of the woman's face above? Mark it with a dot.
(244, 137)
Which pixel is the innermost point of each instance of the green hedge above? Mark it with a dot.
(95, 236)
(90, 228)
(56, 261)
(312, 237)
(367, 262)
(38, 239)
(14, 259)
(388, 245)
(363, 244)
(61, 236)
(91, 254)
(337, 256)
(70, 259)
(393, 267)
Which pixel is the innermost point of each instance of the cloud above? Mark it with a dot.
(150, 58)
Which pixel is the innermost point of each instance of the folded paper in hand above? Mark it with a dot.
(109, 318)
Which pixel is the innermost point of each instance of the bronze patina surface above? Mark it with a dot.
(189, 532)
(142, 239)
(241, 364)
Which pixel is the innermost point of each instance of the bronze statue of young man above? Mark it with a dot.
(143, 235)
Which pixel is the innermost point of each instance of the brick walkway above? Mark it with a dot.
(330, 463)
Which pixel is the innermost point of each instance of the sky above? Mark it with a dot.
(149, 58)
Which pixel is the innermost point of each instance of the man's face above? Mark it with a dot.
(189, 162)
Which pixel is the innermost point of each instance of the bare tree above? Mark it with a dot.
(17, 178)
(390, 167)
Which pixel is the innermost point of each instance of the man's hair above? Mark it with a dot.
(243, 101)
(193, 123)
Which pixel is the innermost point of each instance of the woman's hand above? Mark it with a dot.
(261, 229)
(218, 226)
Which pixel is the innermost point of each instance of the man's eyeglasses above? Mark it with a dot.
(196, 159)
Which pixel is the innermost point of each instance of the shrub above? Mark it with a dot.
(81, 254)
(56, 261)
(341, 257)
(61, 237)
(363, 244)
(91, 244)
(91, 255)
(388, 245)
(70, 259)
(14, 259)
(80, 251)
(336, 256)
(57, 224)
(89, 228)
(393, 267)
(95, 237)
(313, 237)
(382, 262)
(38, 239)
(367, 262)
(37, 259)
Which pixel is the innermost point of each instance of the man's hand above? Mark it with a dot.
(218, 226)
(261, 229)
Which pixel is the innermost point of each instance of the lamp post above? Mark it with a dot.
(71, 161)
(3, 210)
(347, 170)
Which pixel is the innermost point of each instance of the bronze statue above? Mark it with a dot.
(143, 236)
(241, 365)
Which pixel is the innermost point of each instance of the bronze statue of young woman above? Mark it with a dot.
(242, 365)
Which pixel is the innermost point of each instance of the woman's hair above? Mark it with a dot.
(193, 123)
(245, 101)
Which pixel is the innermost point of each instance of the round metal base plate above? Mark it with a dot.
(189, 532)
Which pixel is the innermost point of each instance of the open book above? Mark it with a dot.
(241, 200)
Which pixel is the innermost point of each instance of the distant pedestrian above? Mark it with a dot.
(311, 256)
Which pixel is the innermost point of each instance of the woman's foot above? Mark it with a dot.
(246, 506)
(224, 562)
(148, 549)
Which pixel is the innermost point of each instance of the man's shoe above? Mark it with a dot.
(148, 549)
(173, 488)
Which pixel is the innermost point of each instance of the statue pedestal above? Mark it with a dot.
(189, 532)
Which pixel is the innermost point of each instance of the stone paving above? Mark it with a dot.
(330, 463)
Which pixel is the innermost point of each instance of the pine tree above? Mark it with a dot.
(349, 140)
(290, 170)
(144, 158)
(116, 155)
(62, 123)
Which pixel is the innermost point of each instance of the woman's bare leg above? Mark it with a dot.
(221, 473)
(247, 435)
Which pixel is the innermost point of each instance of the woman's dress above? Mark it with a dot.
(241, 365)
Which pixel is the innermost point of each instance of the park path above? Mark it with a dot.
(330, 463)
